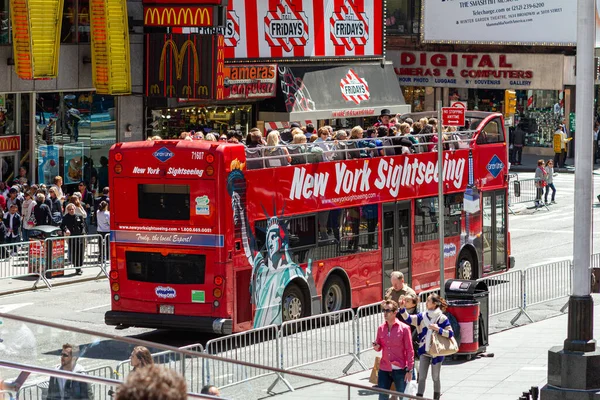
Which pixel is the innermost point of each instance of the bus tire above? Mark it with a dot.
(335, 294)
(293, 303)
(466, 267)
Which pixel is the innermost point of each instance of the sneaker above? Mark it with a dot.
(553, 202)
(79, 272)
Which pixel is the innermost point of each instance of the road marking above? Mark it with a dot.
(543, 231)
(7, 308)
(93, 308)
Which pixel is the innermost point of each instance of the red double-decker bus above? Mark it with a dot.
(206, 236)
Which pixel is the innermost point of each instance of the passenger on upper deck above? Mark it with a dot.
(275, 150)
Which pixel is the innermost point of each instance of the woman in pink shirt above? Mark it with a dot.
(397, 359)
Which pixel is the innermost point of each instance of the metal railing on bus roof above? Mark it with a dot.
(351, 146)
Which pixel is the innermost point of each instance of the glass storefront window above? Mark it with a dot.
(403, 17)
(5, 32)
(540, 113)
(76, 22)
(80, 128)
(415, 97)
(170, 123)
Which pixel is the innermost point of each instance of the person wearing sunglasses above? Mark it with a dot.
(395, 342)
(60, 388)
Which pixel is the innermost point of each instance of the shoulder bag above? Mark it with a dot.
(442, 346)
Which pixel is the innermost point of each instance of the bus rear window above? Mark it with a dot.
(164, 202)
(172, 269)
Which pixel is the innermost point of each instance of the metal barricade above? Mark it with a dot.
(193, 368)
(78, 252)
(506, 293)
(167, 359)
(366, 322)
(22, 259)
(30, 392)
(101, 391)
(523, 191)
(316, 339)
(260, 346)
(547, 282)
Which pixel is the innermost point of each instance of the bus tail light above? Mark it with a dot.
(115, 287)
(114, 274)
(118, 168)
(218, 280)
(217, 292)
(216, 303)
(118, 157)
(210, 170)
(210, 158)
(116, 297)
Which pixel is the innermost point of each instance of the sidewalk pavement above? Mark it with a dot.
(24, 284)
(520, 361)
(529, 164)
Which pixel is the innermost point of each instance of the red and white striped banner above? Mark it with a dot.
(278, 29)
(354, 88)
(285, 125)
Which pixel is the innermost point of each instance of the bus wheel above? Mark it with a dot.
(335, 295)
(466, 267)
(293, 303)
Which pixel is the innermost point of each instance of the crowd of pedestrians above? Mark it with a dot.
(405, 339)
(76, 211)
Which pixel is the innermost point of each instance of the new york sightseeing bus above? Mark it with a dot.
(206, 236)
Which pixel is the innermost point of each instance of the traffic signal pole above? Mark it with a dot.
(441, 205)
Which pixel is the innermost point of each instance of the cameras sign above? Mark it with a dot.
(279, 29)
(354, 88)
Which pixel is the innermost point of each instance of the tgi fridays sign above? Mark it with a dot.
(296, 28)
(479, 70)
(250, 81)
(354, 88)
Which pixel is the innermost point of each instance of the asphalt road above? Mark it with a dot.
(538, 237)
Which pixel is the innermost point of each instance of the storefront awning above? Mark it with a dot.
(318, 93)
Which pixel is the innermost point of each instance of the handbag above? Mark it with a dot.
(442, 346)
(411, 389)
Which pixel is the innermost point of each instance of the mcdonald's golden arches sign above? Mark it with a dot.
(178, 16)
(183, 66)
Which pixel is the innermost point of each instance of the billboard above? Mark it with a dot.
(183, 66)
(303, 28)
(500, 22)
(178, 16)
(479, 70)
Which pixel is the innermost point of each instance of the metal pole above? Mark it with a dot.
(441, 208)
(581, 310)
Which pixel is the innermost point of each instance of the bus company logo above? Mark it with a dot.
(349, 27)
(354, 88)
(163, 154)
(495, 166)
(285, 27)
(449, 250)
(232, 29)
(165, 292)
(202, 205)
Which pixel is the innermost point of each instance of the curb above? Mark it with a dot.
(29, 289)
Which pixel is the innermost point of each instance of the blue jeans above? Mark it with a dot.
(548, 187)
(385, 379)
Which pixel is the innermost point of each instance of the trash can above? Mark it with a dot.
(50, 254)
(466, 313)
(457, 289)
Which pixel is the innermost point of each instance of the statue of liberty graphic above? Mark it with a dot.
(270, 276)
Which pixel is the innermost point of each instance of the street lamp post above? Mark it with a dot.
(574, 370)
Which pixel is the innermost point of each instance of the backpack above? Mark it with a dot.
(455, 326)
(57, 218)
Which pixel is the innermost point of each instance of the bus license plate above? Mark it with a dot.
(167, 309)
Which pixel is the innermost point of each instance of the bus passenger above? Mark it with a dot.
(357, 134)
(373, 133)
(339, 145)
(210, 137)
(297, 149)
(323, 141)
(276, 150)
